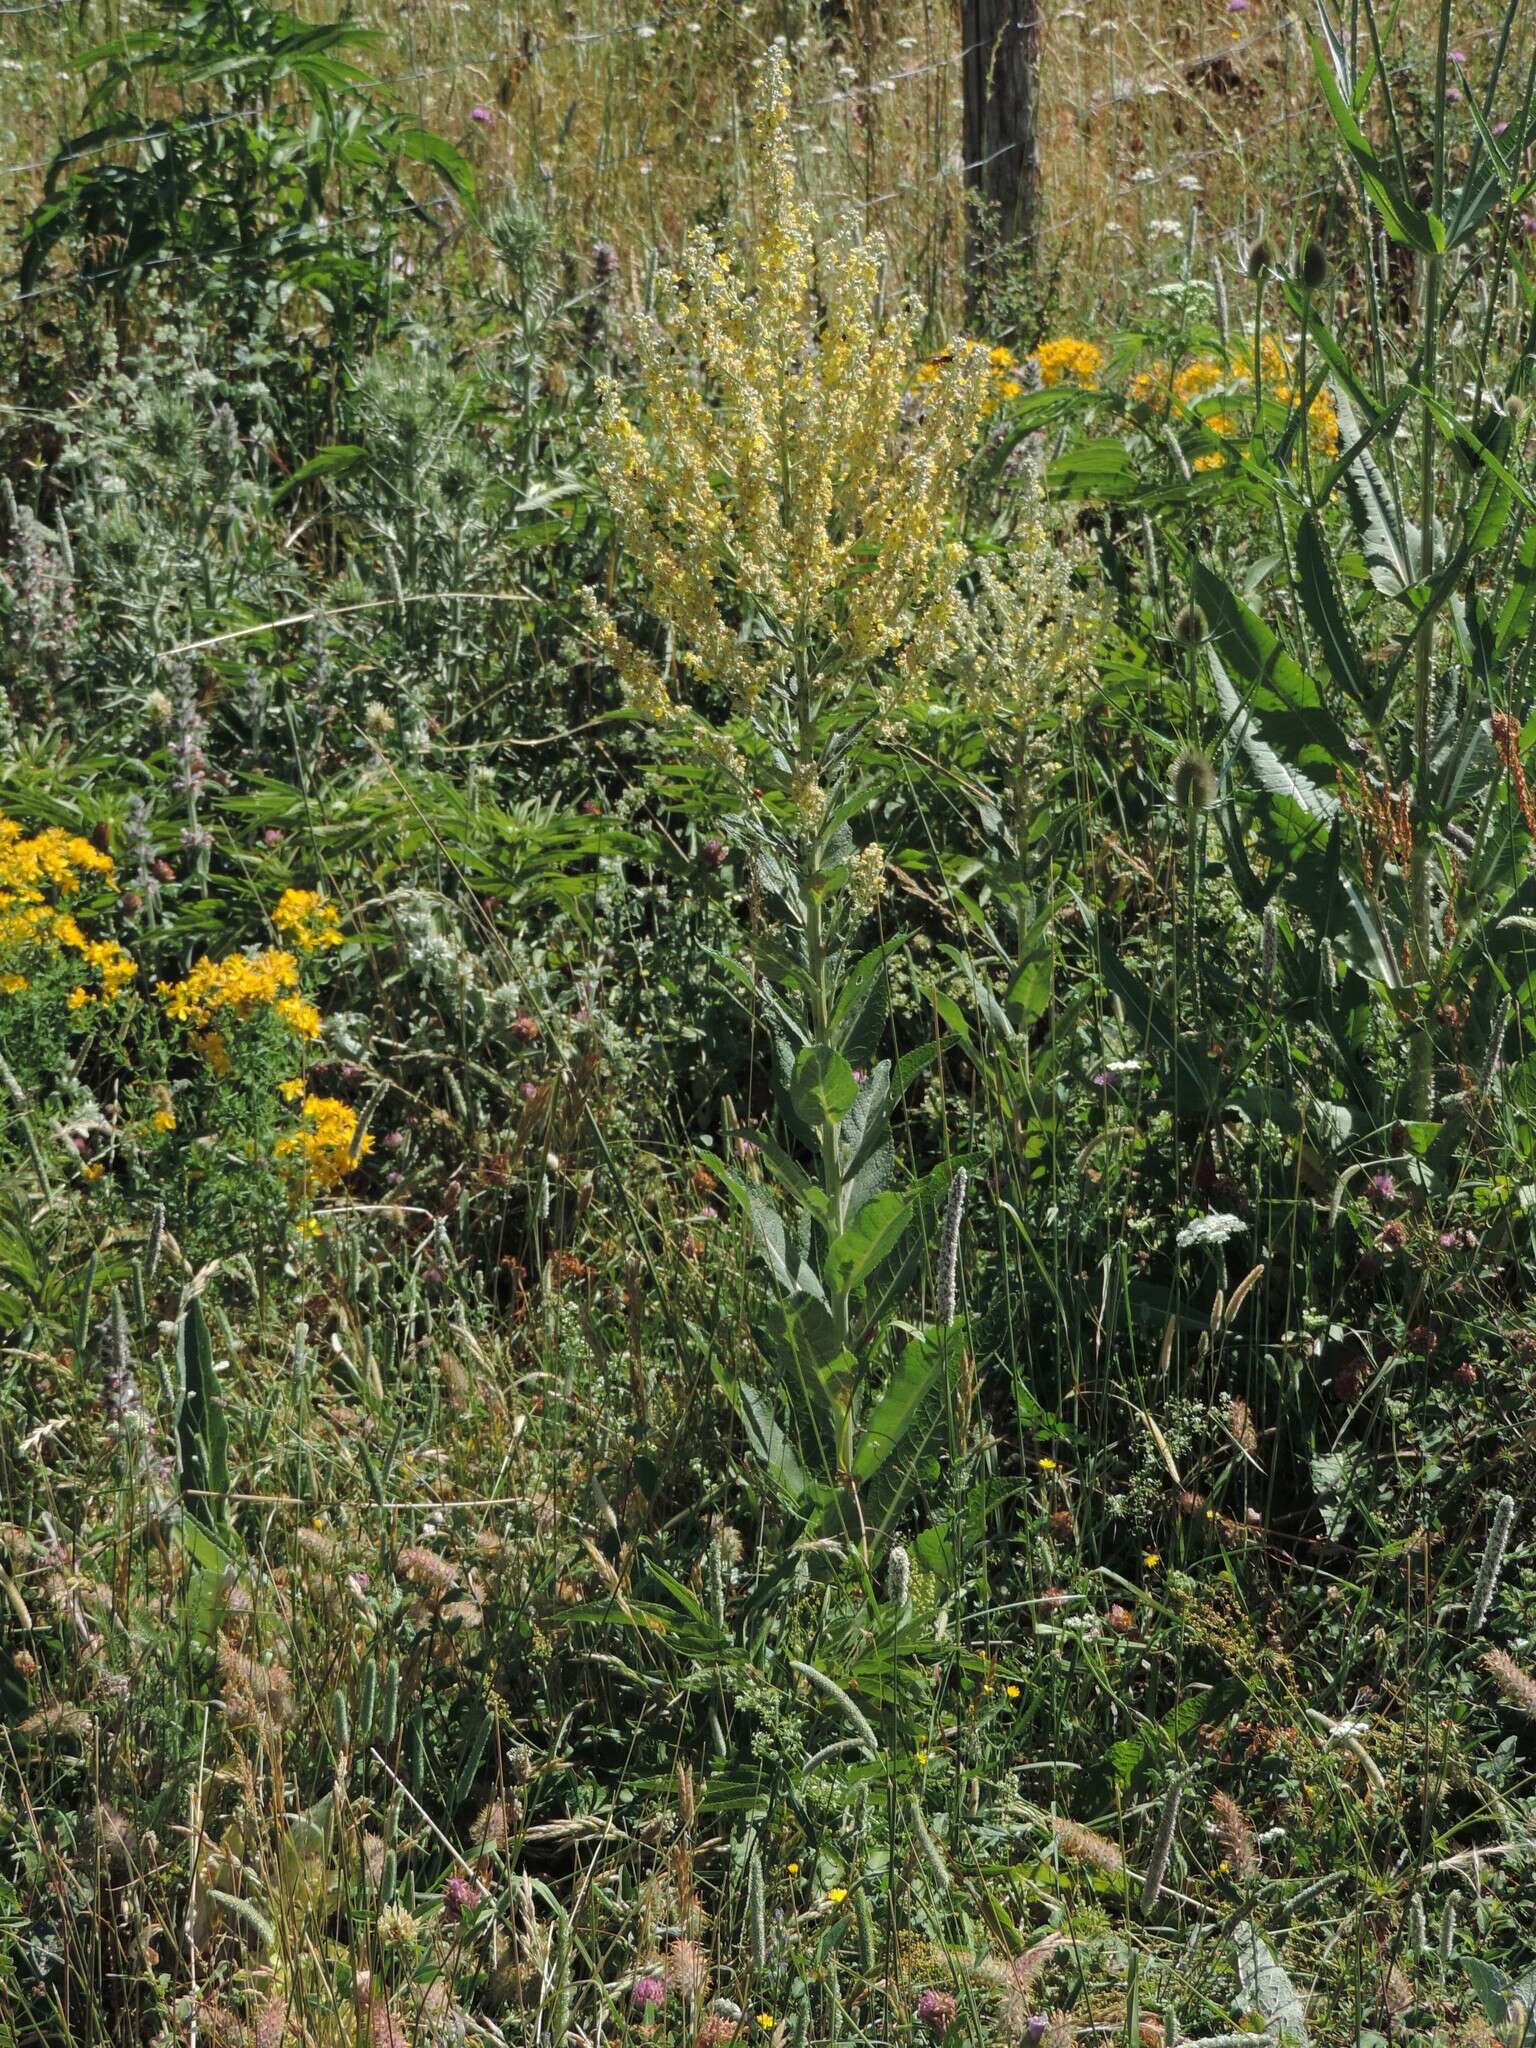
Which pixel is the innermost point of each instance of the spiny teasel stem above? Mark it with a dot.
(949, 1246)
(1162, 1849)
(1082, 1845)
(1235, 1836)
(1517, 1686)
(1493, 1560)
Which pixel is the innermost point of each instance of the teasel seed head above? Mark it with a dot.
(1189, 628)
(1192, 782)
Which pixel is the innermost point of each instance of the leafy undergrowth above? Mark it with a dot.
(765, 1211)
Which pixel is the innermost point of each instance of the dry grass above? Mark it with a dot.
(627, 121)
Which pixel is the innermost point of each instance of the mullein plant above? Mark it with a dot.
(788, 491)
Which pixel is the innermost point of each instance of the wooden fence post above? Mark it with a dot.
(999, 78)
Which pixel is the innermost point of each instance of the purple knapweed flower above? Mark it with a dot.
(483, 115)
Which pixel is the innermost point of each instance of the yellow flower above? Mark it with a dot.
(164, 1120)
(781, 474)
(767, 2022)
(1069, 361)
(304, 916)
(1012, 1691)
(1151, 1559)
(219, 990)
(33, 929)
(1048, 1465)
(95, 1170)
(836, 1896)
(793, 1869)
(922, 1756)
(1202, 463)
(290, 1091)
(326, 1147)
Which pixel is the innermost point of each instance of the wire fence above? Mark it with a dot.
(627, 127)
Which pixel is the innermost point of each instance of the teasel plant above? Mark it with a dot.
(788, 487)
(1373, 673)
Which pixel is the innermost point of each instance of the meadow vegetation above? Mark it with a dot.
(767, 1160)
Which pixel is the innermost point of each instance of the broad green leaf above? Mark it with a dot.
(202, 1434)
(1393, 549)
(873, 1235)
(769, 1443)
(1092, 469)
(1403, 221)
(1283, 701)
(1325, 611)
(1515, 614)
(423, 147)
(338, 460)
(1267, 1990)
(822, 1087)
(917, 1373)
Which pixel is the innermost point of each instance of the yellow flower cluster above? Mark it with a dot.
(34, 870)
(306, 920)
(1069, 361)
(326, 1147)
(217, 991)
(1176, 393)
(782, 476)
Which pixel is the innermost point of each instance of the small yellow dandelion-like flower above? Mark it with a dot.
(1048, 1465)
(164, 1120)
(921, 1755)
(793, 1869)
(1151, 1559)
(837, 1894)
(1012, 1691)
(767, 2022)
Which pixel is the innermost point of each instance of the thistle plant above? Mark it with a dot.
(788, 491)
